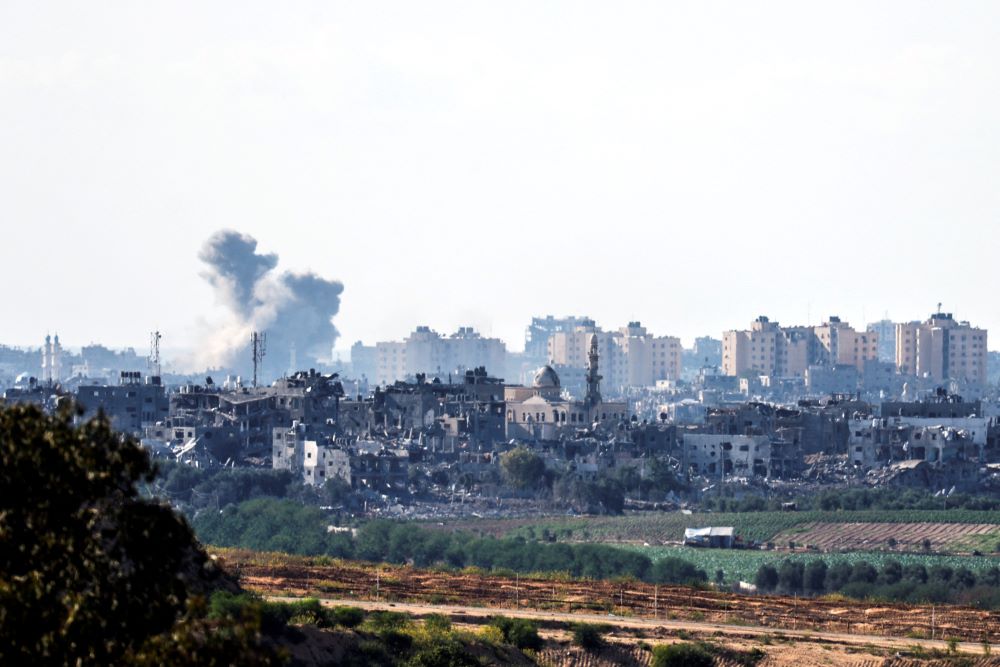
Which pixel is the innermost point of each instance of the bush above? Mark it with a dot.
(437, 623)
(682, 655)
(520, 632)
(381, 621)
(348, 617)
(588, 636)
(446, 654)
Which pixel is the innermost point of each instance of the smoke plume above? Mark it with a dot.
(295, 309)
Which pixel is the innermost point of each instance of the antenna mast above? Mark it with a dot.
(258, 343)
(154, 353)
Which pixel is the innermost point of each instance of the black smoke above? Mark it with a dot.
(295, 309)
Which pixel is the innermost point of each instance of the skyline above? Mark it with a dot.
(516, 346)
(464, 164)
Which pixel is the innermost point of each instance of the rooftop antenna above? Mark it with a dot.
(939, 306)
(154, 352)
(258, 343)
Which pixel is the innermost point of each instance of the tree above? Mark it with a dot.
(790, 576)
(815, 576)
(767, 578)
(522, 467)
(671, 570)
(90, 571)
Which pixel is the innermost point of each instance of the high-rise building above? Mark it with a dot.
(536, 338)
(767, 348)
(885, 331)
(942, 349)
(630, 357)
(427, 351)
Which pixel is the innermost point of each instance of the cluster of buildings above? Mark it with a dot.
(631, 356)
(831, 357)
(939, 349)
(771, 404)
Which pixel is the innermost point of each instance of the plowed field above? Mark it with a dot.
(287, 575)
(909, 536)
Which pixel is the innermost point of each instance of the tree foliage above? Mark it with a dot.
(522, 468)
(90, 571)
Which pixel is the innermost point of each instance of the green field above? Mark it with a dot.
(742, 565)
(660, 527)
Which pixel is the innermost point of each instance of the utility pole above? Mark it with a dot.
(258, 345)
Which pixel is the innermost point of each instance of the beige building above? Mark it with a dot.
(648, 359)
(769, 349)
(390, 362)
(541, 411)
(759, 349)
(427, 351)
(630, 357)
(942, 349)
(839, 343)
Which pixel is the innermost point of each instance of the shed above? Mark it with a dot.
(714, 537)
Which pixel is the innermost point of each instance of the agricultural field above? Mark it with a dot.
(742, 564)
(280, 574)
(946, 537)
(665, 527)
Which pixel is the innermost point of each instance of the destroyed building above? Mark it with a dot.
(130, 405)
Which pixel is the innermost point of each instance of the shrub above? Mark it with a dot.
(588, 636)
(381, 621)
(682, 655)
(520, 632)
(446, 654)
(437, 623)
(348, 617)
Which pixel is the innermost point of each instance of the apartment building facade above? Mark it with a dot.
(942, 348)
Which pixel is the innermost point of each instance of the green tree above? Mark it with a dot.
(90, 571)
(522, 467)
(767, 578)
(814, 576)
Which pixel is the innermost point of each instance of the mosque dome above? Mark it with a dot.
(545, 377)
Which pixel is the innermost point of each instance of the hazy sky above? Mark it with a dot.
(691, 165)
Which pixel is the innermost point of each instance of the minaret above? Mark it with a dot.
(593, 379)
(56, 356)
(46, 359)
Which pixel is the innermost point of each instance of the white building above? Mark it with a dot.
(308, 454)
(426, 351)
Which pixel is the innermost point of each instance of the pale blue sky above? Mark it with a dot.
(691, 165)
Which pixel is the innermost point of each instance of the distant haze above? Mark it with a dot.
(689, 165)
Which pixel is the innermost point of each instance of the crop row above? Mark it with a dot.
(742, 565)
(660, 527)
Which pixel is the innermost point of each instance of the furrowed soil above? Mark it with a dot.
(946, 537)
(283, 575)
